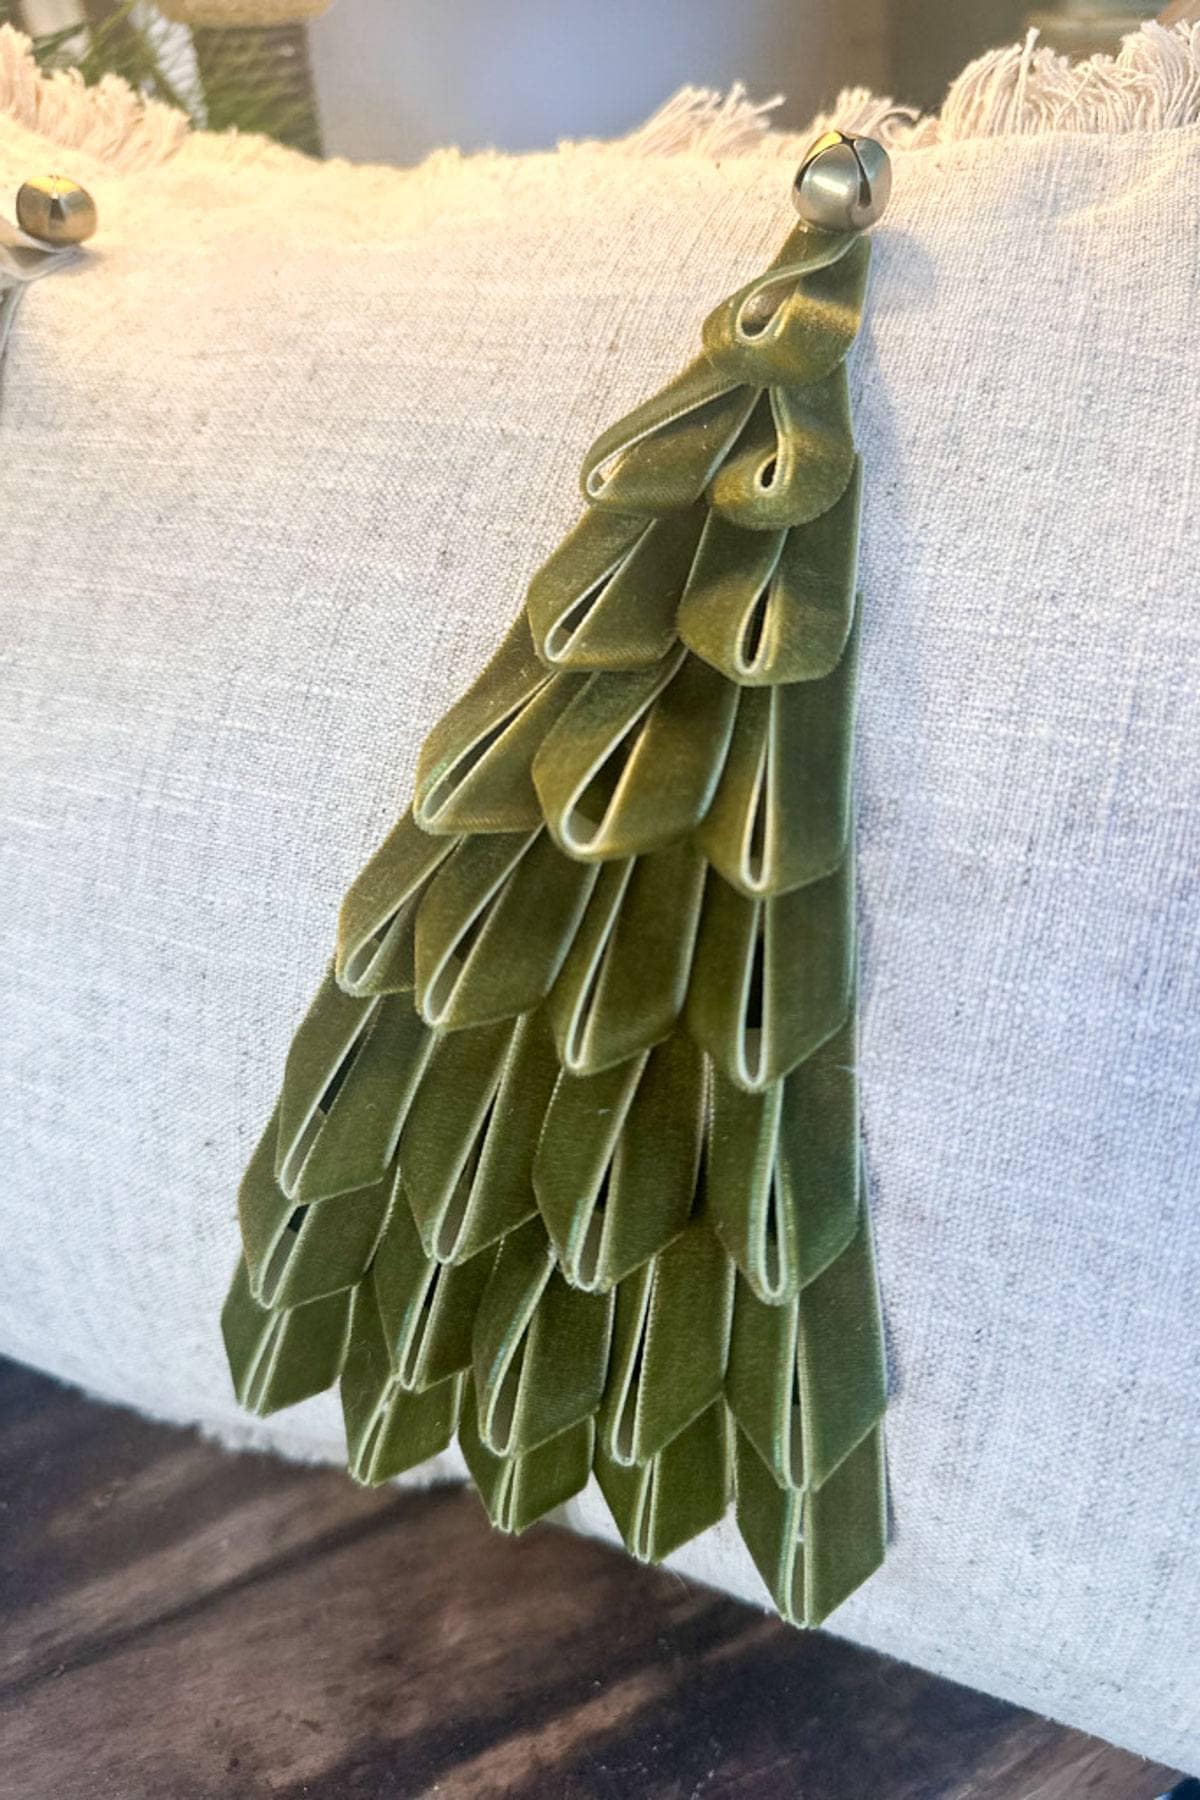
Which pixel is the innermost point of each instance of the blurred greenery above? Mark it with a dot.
(113, 42)
(254, 81)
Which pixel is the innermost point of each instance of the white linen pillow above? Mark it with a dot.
(277, 458)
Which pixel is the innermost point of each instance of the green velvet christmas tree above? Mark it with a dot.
(566, 1161)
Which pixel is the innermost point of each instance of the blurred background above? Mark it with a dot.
(391, 79)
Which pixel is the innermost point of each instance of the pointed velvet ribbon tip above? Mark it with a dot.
(566, 1160)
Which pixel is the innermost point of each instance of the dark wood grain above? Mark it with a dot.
(185, 1624)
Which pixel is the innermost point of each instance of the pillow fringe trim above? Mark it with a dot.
(109, 121)
(1152, 83)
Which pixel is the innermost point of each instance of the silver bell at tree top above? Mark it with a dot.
(844, 182)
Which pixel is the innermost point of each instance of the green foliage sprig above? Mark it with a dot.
(242, 80)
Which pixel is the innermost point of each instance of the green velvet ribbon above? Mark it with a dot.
(566, 1160)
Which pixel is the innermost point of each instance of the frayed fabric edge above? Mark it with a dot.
(109, 121)
(702, 122)
(1152, 83)
(705, 122)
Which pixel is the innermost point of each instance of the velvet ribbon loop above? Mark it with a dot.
(541, 1347)
(770, 607)
(624, 981)
(793, 461)
(377, 924)
(299, 1253)
(660, 1504)
(519, 1490)
(618, 1162)
(796, 321)
(474, 769)
(466, 1152)
(608, 596)
(633, 762)
(780, 817)
(426, 1308)
(389, 1428)
(771, 978)
(279, 1358)
(783, 1170)
(669, 1353)
(662, 456)
(476, 959)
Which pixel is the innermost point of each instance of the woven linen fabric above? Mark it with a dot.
(277, 459)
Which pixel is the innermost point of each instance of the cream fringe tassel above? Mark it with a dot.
(1152, 83)
(1020, 90)
(109, 121)
(1023, 90)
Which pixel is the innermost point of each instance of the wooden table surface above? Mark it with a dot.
(180, 1623)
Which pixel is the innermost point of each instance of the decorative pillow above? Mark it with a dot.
(277, 458)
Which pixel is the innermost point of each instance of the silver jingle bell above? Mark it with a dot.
(56, 211)
(844, 183)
